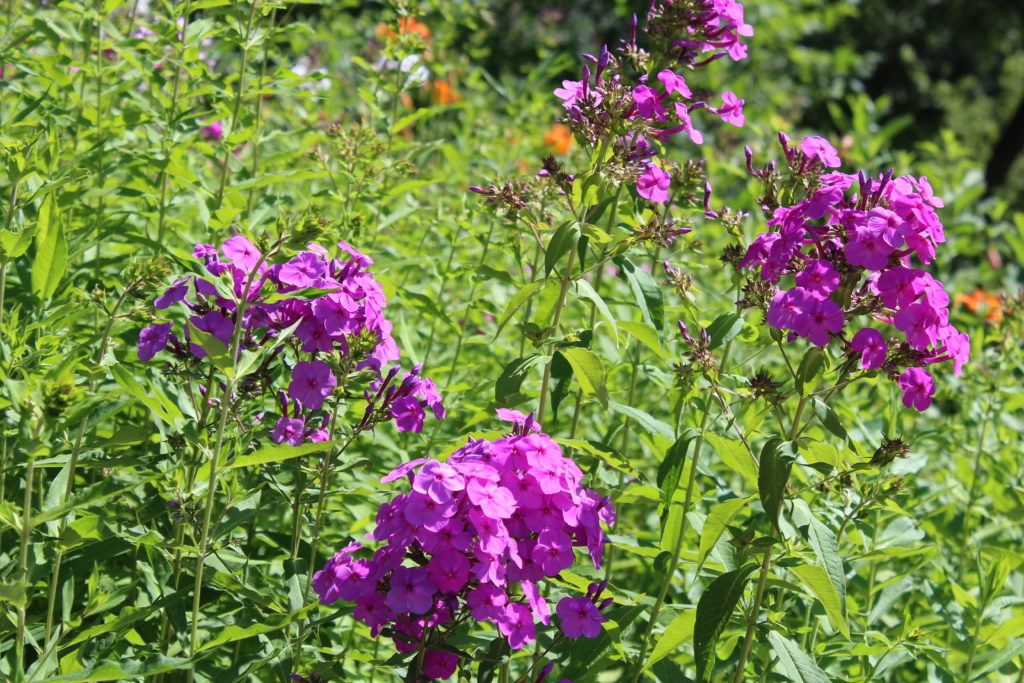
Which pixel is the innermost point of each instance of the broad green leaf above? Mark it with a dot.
(154, 399)
(51, 257)
(645, 334)
(512, 376)
(560, 244)
(671, 468)
(517, 300)
(794, 663)
(810, 365)
(826, 550)
(646, 292)
(817, 580)
(735, 456)
(649, 423)
(776, 462)
(234, 632)
(14, 244)
(585, 291)
(124, 670)
(724, 328)
(675, 634)
(589, 371)
(603, 453)
(91, 495)
(714, 609)
(716, 522)
(277, 453)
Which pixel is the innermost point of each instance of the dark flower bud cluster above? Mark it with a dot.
(475, 538)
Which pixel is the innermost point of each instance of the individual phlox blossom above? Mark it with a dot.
(818, 148)
(439, 665)
(461, 544)
(647, 103)
(731, 110)
(579, 617)
(312, 382)
(849, 246)
(213, 132)
(241, 252)
(674, 83)
(871, 345)
(654, 184)
(918, 388)
(153, 339)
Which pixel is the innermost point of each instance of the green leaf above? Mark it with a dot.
(724, 328)
(585, 291)
(678, 631)
(649, 423)
(714, 609)
(794, 663)
(14, 244)
(277, 453)
(810, 365)
(716, 522)
(512, 376)
(646, 292)
(231, 633)
(560, 244)
(91, 495)
(589, 372)
(817, 580)
(602, 452)
(517, 300)
(671, 468)
(154, 399)
(831, 421)
(123, 671)
(51, 258)
(645, 334)
(826, 550)
(776, 462)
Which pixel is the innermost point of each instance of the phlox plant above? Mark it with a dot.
(337, 345)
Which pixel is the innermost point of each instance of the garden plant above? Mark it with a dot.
(459, 340)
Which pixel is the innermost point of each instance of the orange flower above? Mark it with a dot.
(443, 93)
(980, 300)
(559, 138)
(405, 25)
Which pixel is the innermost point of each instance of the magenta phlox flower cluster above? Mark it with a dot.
(473, 538)
(332, 307)
(657, 106)
(849, 247)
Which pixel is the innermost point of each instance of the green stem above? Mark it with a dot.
(559, 305)
(225, 169)
(972, 494)
(677, 549)
(26, 529)
(169, 126)
(755, 611)
(73, 461)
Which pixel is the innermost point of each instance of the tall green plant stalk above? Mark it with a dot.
(169, 126)
(211, 482)
(225, 169)
(766, 564)
(677, 548)
(76, 450)
(556, 317)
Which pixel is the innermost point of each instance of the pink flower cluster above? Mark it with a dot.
(332, 307)
(639, 111)
(850, 254)
(474, 538)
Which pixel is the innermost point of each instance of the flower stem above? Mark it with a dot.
(559, 305)
(755, 611)
(225, 171)
(677, 549)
